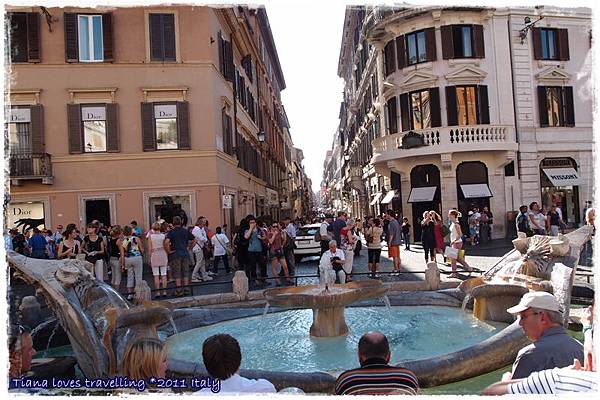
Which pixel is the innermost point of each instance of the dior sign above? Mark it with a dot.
(93, 113)
(165, 111)
(20, 115)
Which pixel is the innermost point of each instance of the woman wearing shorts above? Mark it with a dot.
(275, 237)
(456, 242)
(373, 236)
(158, 258)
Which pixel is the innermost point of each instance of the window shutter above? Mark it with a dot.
(563, 44)
(33, 37)
(75, 131)
(221, 55)
(401, 50)
(447, 45)
(107, 37)
(568, 105)
(156, 37)
(169, 37)
(71, 40)
(37, 129)
(229, 66)
(430, 46)
(112, 128)
(183, 125)
(405, 112)
(543, 106)
(536, 37)
(390, 59)
(148, 136)
(451, 111)
(392, 115)
(483, 105)
(434, 107)
(18, 37)
(479, 45)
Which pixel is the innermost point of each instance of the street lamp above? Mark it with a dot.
(528, 26)
(261, 136)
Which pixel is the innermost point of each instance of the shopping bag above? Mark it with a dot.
(451, 252)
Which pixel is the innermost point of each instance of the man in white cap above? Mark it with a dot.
(552, 347)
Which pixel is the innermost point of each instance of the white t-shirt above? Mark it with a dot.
(556, 381)
(454, 233)
(323, 231)
(239, 384)
(218, 241)
(201, 239)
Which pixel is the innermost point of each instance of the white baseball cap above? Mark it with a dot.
(541, 300)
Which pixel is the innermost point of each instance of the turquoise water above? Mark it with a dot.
(281, 342)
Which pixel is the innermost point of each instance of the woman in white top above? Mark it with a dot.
(219, 242)
(158, 258)
(456, 242)
(373, 237)
(537, 220)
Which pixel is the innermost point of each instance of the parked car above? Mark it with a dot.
(306, 245)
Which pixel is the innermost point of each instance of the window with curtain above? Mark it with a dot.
(91, 48)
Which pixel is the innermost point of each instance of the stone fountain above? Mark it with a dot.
(98, 321)
(327, 302)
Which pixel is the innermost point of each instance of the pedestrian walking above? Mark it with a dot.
(537, 220)
(254, 235)
(199, 274)
(373, 238)
(220, 244)
(178, 241)
(290, 245)
(405, 228)
(456, 243)
(394, 239)
(276, 237)
(348, 242)
(438, 234)
(131, 259)
(428, 236)
(114, 255)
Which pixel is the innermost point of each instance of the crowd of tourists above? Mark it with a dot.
(554, 363)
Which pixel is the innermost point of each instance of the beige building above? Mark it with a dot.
(142, 113)
(460, 107)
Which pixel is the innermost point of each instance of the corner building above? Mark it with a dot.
(477, 107)
(141, 113)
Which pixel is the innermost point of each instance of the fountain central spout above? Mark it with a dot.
(327, 304)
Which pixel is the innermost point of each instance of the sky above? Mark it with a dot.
(308, 36)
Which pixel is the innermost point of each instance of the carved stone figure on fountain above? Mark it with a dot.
(331, 265)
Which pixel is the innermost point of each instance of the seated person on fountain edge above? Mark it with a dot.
(375, 376)
(331, 265)
(222, 358)
(569, 379)
(20, 350)
(542, 322)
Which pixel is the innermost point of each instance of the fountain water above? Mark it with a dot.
(52, 335)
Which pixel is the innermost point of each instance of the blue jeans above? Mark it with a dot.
(406, 238)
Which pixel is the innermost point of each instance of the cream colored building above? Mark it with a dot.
(466, 107)
(122, 114)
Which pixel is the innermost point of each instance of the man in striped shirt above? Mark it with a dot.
(376, 376)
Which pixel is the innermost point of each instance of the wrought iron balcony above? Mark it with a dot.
(26, 166)
(453, 139)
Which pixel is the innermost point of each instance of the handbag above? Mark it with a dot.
(451, 252)
(227, 248)
(445, 230)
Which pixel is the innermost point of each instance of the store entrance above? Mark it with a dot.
(425, 195)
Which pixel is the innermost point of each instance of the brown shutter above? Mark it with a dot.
(156, 37)
(33, 37)
(430, 46)
(148, 136)
(401, 51)
(536, 37)
(563, 44)
(478, 42)
(112, 128)
(392, 115)
(18, 37)
(447, 45)
(37, 129)
(183, 125)
(229, 66)
(389, 58)
(405, 112)
(483, 105)
(569, 111)
(542, 106)
(75, 128)
(221, 55)
(451, 110)
(71, 40)
(107, 37)
(169, 37)
(434, 107)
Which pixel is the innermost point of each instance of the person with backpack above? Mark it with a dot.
(132, 250)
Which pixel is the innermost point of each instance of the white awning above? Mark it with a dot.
(422, 194)
(388, 197)
(475, 191)
(563, 176)
(375, 199)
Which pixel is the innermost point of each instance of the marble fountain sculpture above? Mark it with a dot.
(97, 320)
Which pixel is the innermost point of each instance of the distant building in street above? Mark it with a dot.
(459, 107)
(141, 113)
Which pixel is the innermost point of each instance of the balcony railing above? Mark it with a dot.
(444, 140)
(30, 166)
